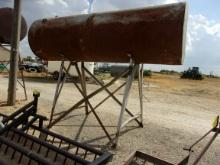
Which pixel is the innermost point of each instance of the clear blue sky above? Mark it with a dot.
(209, 8)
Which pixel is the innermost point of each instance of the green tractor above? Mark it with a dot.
(192, 74)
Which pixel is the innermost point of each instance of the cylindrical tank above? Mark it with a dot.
(149, 35)
(6, 21)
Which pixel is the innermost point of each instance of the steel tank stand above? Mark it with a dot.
(89, 108)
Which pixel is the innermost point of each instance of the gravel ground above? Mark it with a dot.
(176, 113)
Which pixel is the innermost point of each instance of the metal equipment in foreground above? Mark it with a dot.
(153, 35)
(140, 158)
(23, 140)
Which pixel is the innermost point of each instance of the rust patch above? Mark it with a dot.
(6, 21)
(152, 35)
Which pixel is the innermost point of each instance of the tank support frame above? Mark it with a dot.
(89, 108)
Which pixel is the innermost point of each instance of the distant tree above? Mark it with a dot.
(147, 73)
(28, 58)
(164, 71)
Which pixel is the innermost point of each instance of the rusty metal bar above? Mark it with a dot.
(24, 151)
(206, 147)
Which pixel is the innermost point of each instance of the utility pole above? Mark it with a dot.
(16, 30)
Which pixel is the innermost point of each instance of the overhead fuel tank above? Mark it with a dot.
(6, 21)
(154, 35)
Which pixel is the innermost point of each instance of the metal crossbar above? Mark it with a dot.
(140, 158)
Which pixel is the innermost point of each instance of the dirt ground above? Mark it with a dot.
(176, 113)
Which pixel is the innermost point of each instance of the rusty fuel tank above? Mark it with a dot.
(6, 21)
(153, 35)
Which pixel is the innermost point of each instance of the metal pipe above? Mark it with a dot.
(140, 87)
(206, 148)
(14, 52)
(130, 78)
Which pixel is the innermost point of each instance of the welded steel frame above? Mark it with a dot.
(19, 125)
(129, 73)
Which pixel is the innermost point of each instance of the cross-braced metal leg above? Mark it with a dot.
(130, 72)
(140, 87)
(22, 82)
(59, 87)
(83, 82)
(121, 124)
(22, 79)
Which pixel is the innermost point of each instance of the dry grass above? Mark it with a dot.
(209, 87)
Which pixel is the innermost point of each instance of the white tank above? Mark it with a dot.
(54, 66)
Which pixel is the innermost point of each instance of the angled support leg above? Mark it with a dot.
(59, 87)
(125, 101)
(89, 104)
(112, 95)
(83, 81)
(140, 87)
(22, 78)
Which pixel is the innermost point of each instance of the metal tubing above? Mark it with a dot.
(140, 87)
(129, 120)
(22, 78)
(21, 110)
(14, 52)
(59, 87)
(91, 107)
(83, 81)
(27, 125)
(112, 93)
(21, 72)
(206, 148)
(15, 122)
(67, 140)
(51, 147)
(125, 100)
(25, 152)
(83, 100)
(113, 97)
